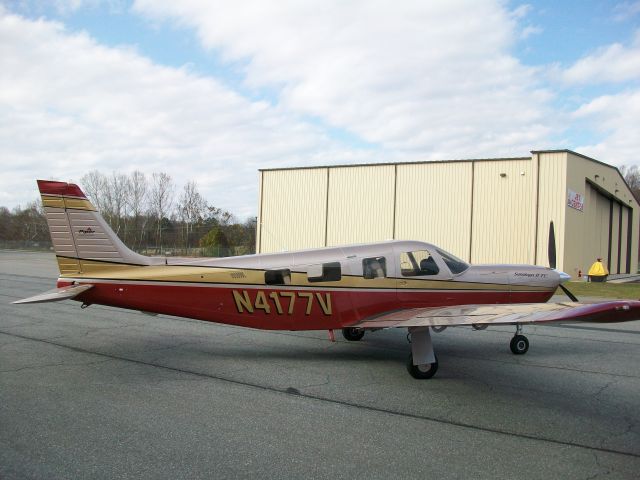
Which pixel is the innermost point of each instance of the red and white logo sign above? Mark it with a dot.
(575, 200)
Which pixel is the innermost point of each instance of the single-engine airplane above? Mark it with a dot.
(355, 288)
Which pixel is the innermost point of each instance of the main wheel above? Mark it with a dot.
(353, 334)
(422, 372)
(519, 345)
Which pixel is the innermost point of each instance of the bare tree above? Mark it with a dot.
(631, 175)
(219, 216)
(137, 204)
(160, 200)
(117, 188)
(94, 185)
(191, 209)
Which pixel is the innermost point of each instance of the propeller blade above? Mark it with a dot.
(552, 246)
(568, 293)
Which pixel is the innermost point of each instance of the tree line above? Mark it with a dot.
(149, 214)
(152, 218)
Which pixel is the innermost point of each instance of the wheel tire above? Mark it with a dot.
(422, 372)
(353, 334)
(519, 345)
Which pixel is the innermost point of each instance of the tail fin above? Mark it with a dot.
(79, 232)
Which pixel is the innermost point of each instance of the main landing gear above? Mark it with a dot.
(519, 343)
(353, 334)
(423, 371)
(422, 363)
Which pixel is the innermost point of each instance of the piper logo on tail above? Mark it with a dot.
(86, 231)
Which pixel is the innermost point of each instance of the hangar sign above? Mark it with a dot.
(575, 200)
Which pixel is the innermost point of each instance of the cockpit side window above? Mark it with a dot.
(375, 267)
(419, 262)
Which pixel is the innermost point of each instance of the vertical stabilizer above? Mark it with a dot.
(78, 231)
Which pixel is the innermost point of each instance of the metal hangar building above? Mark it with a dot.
(483, 211)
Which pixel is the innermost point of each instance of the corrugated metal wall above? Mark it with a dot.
(361, 203)
(503, 208)
(433, 204)
(483, 211)
(596, 208)
(624, 241)
(607, 201)
(615, 236)
(552, 181)
(292, 210)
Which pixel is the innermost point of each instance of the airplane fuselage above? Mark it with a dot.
(319, 289)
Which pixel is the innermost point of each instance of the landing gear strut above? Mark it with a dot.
(353, 334)
(422, 363)
(519, 343)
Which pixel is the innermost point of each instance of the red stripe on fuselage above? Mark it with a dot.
(281, 308)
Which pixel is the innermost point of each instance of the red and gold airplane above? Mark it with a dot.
(355, 288)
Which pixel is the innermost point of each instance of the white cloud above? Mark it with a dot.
(521, 11)
(616, 118)
(424, 79)
(626, 10)
(69, 105)
(612, 64)
(530, 30)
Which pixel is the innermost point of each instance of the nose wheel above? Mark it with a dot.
(519, 343)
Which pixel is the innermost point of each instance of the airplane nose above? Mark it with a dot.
(563, 276)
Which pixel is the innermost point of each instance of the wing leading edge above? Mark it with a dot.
(522, 313)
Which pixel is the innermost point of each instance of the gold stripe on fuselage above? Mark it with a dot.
(206, 274)
(68, 266)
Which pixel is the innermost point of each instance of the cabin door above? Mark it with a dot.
(422, 279)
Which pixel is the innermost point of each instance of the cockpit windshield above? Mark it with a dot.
(454, 263)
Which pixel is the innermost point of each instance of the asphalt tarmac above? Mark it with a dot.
(110, 393)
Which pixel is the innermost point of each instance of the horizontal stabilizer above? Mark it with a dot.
(57, 294)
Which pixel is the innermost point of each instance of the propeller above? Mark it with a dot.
(552, 246)
(552, 261)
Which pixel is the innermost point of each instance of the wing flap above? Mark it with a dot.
(57, 294)
(604, 312)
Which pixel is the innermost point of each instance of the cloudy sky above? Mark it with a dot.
(212, 91)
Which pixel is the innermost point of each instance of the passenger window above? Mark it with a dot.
(327, 272)
(416, 263)
(277, 277)
(375, 267)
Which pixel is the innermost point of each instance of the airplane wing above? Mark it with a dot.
(522, 313)
(57, 294)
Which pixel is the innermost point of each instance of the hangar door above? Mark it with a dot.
(610, 231)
